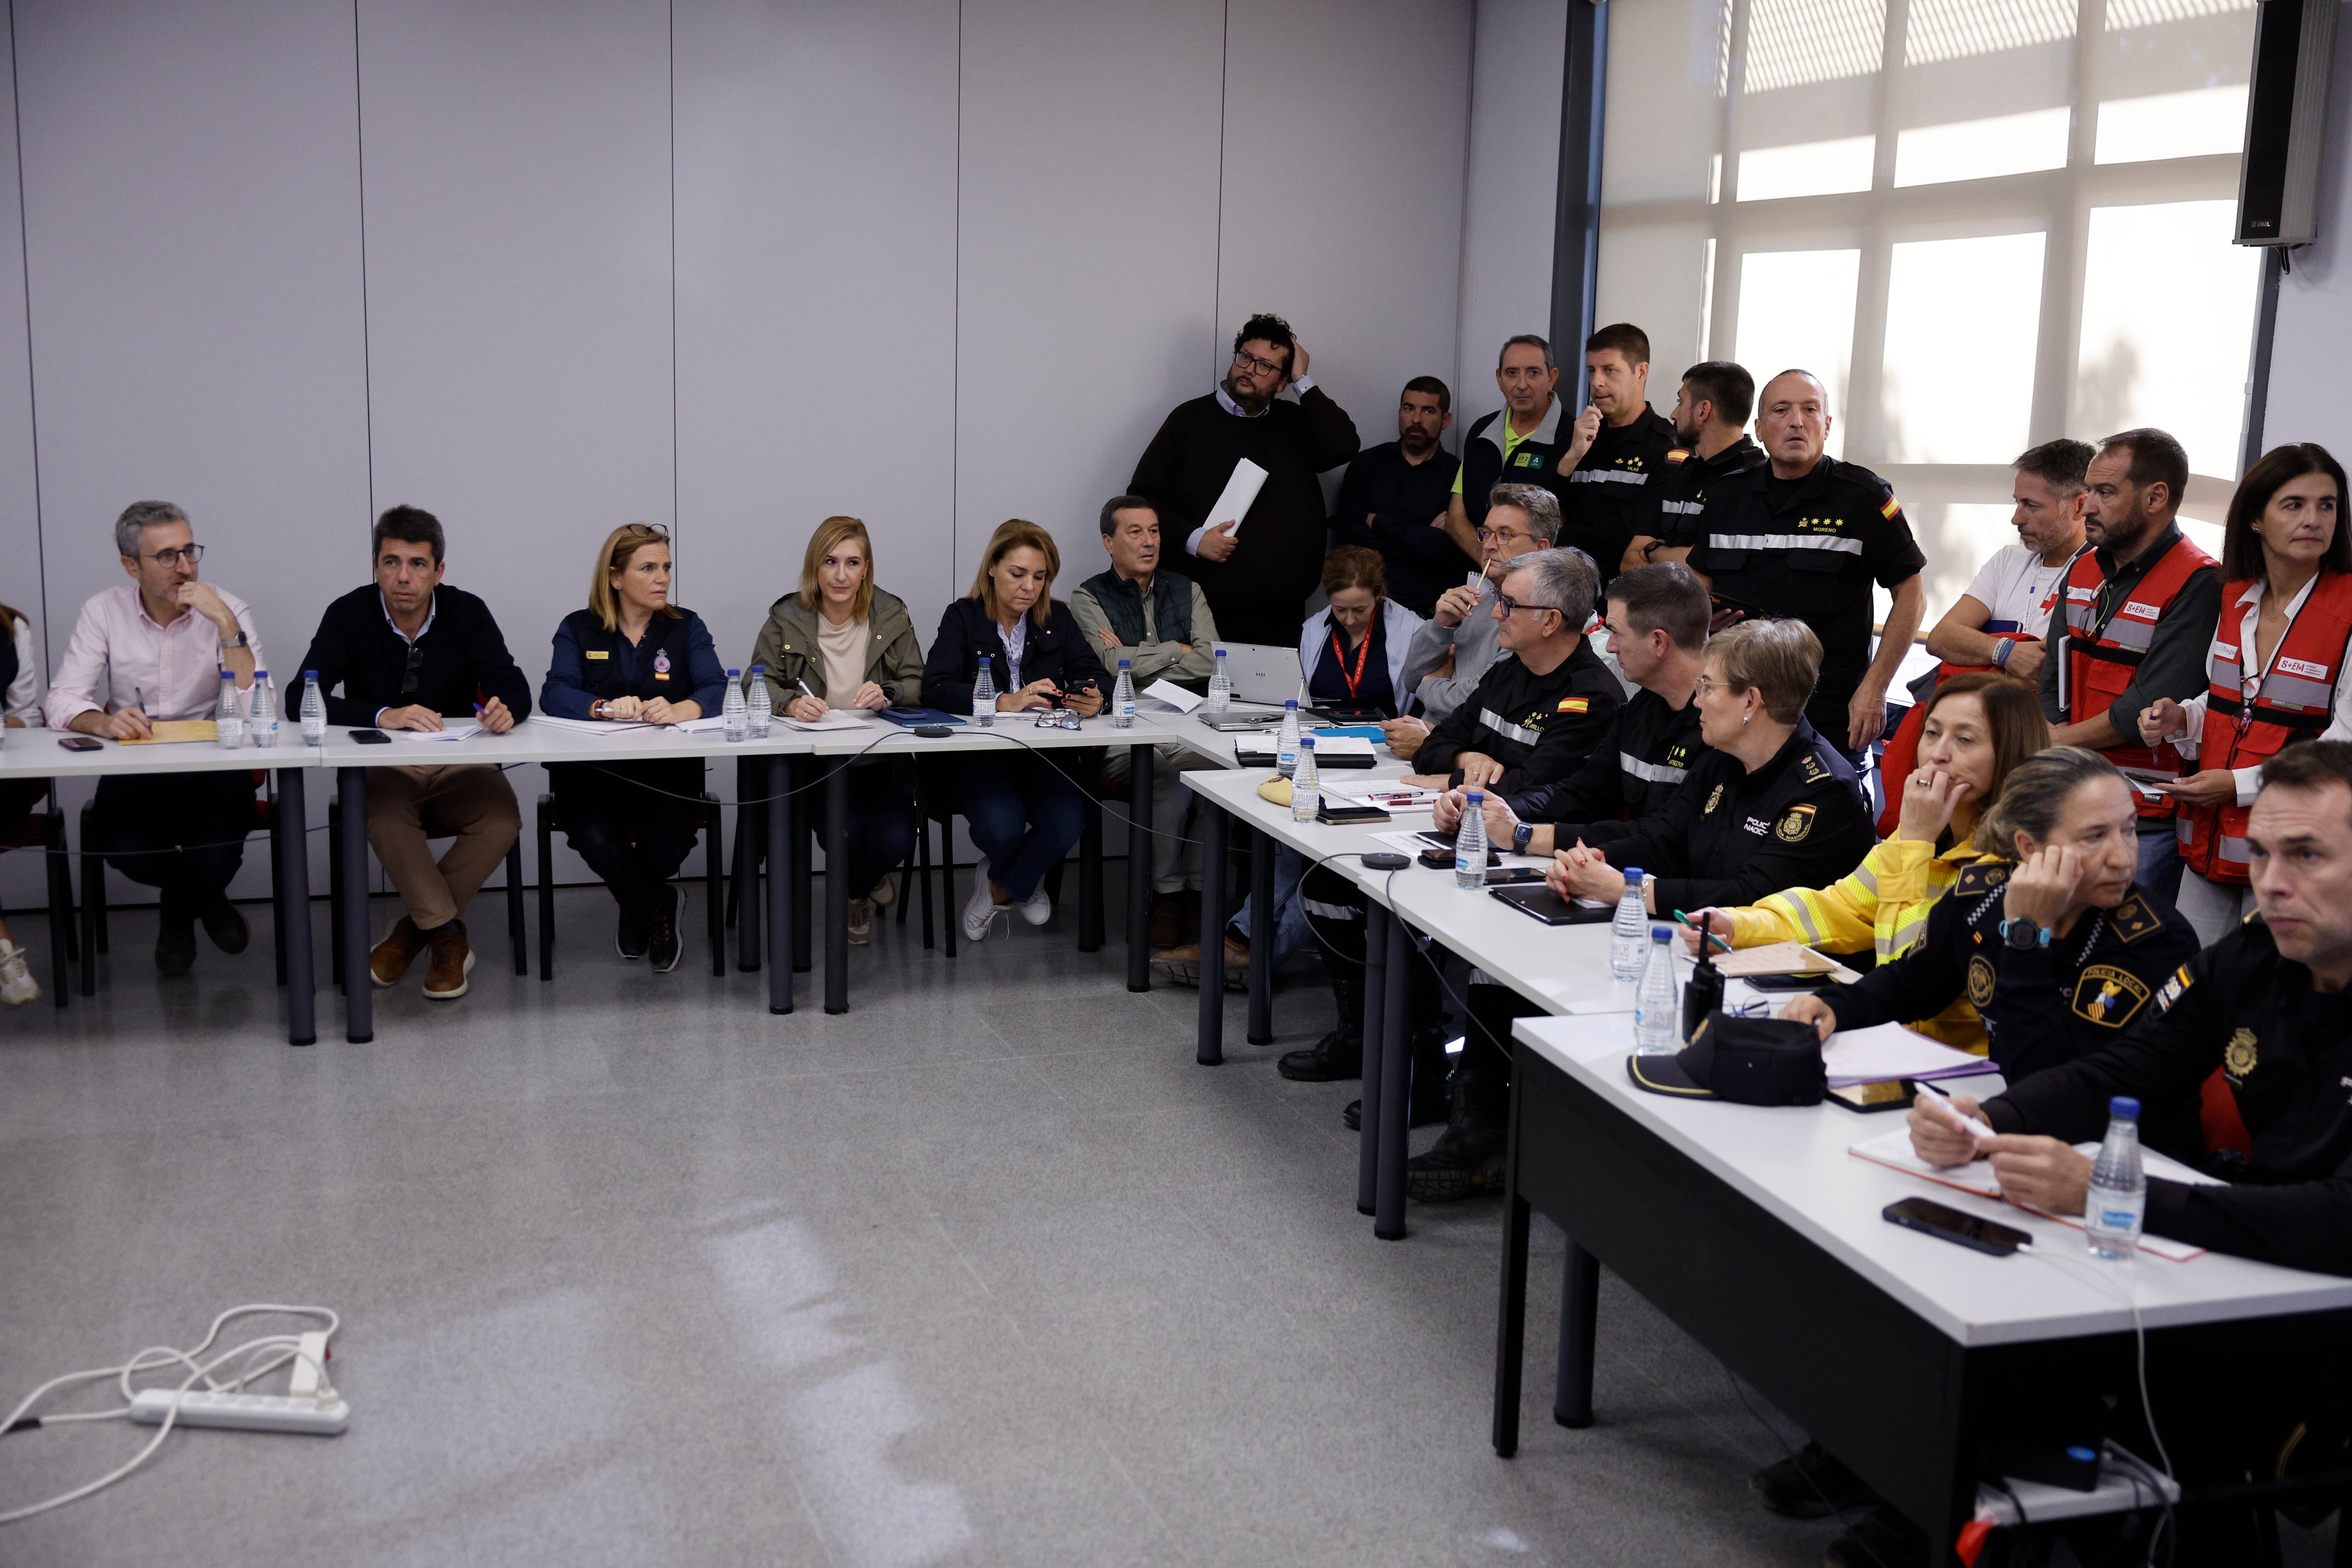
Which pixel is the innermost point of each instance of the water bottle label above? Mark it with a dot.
(2118, 1219)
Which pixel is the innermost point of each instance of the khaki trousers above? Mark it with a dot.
(408, 805)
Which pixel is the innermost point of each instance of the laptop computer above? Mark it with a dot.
(1263, 673)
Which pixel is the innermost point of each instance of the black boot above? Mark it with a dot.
(1467, 1157)
(1427, 1105)
(1339, 1054)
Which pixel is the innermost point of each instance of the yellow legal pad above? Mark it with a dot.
(168, 730)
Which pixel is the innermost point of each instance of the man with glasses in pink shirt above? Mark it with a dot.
(159, 644)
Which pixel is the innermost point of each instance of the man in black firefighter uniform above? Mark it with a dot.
(1804, 537)
(1711, 444)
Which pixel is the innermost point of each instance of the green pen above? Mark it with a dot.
(1705, 935)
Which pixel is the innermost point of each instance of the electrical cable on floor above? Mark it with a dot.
(289, 1346)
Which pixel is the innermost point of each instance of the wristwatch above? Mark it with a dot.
(2024, 935)
(240, 640)
(1520, 837)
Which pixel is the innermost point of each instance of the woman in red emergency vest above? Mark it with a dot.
(2274, 672)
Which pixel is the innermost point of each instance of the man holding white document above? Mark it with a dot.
(1257, 566)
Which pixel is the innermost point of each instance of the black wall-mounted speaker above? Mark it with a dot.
(2286, 114)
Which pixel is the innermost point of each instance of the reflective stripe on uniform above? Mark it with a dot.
(1785, 541)
(1505, 728)
(1607, 476)
(1654, 773)
(1683, 507)
(1332, 912)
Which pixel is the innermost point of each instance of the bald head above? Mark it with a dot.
(1793, 422)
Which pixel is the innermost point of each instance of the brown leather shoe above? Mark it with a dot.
(396, 951)
(452, 961)
(1181, 965)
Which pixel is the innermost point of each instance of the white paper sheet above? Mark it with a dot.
(1239, 492)
(454, 732)
(1173, 695)
(834, 719)
(1388, 796)
(1893, 1150)
(588, 726)
(1343, 746)
(1885, 1052)
(710, 724)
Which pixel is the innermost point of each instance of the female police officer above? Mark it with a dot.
(2052, 942)
(633, 654)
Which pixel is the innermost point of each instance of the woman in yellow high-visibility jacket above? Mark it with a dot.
(1979, 726)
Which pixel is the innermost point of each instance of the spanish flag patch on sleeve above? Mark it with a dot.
(1890, 509)
(1573, 705)
(1679, 455)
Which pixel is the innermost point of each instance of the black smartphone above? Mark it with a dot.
(82, 743)
(1789, 981)
(1950, 1224)
(1506, 876)
(372, 737)
(1442, 860)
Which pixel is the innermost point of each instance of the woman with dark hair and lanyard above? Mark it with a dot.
(1352, 652)
(1024, 809)
(2275, 669)
(633, 656)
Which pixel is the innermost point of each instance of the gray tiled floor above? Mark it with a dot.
(985, 1271)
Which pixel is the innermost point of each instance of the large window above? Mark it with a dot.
(1982, 223)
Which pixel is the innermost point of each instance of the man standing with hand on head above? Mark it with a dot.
(161, 642)
(1258, 577)
(408, 652)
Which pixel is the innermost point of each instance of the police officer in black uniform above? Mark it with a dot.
(1805, 536)
(1541, 707)
(1545, 706)
(1768, 804)
(1618, 452)
(1711, 445)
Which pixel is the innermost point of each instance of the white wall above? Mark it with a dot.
(1511, 196)
(2313, 338)
(545, 266)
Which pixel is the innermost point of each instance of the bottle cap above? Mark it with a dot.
(1477, 797)
(734, 675)
(1290, 703)
(259, 673)
(2124, 1105)
(1632, 875)
(759, 669)
(1662, 933)
(310, 675)
(1125, 663)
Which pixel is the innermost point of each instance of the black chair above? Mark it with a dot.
(518, 935)
(94, 903)
(48, 829)
(707, 820)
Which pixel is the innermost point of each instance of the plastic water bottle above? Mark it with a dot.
(1286, 747)
(759, 708)
(314, 711)
(983, 693)
(1305, 784)
(732, 707)
(1629, 931)
(1657, 1001)
(2116, 1204)
(1470, 843)
(263, 723)
(1122, 698)
(229, 716)
(1220, 688)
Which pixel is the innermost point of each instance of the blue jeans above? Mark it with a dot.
(1291, 930)
(1025, 813)
(2160, 860)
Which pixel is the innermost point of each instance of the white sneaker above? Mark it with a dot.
(17, 985)
(980, 911)
(1037, 908)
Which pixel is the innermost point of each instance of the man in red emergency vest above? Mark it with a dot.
(2136, 612)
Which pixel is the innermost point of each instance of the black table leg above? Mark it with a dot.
(1261, 975)
(1211, 1050)
(1396, 1086)
(358, 981)
(1090, 875)
(1367, 1109)
(1139, 866)
(294, 903)
(837, 890)
(1580, 1306)
(780, 885)
(803, 873)
(750, 825)
(1511, 1332)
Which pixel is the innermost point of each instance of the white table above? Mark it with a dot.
(1758, 1233)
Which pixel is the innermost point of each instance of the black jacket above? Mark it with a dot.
(1606, 499)
(2285, 1051)
(2041, 1008)
(465, 662)
(1056, 651)
(1539, 727)
(1633, 773)
(1387, 504)
(1678, 497)
(1729, 836)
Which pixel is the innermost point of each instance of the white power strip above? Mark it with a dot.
(247, 1412)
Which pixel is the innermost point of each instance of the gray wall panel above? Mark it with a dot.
(1506, 221)
(1087, 284)
(816, 212)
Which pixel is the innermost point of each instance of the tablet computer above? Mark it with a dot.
(1539, 902)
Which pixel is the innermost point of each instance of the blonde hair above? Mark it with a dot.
(827, 538)
(619, 545)
(1010, 536)
(1780, 660)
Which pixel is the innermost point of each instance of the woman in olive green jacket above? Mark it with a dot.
(854, 646)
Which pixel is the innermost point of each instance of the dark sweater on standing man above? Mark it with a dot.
(1259, 593)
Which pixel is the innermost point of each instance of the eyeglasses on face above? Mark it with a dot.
(1263, 366)
(168, 559)
(1506, 606)
(1504, 534)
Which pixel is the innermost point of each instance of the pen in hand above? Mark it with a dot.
(1942, 1101)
